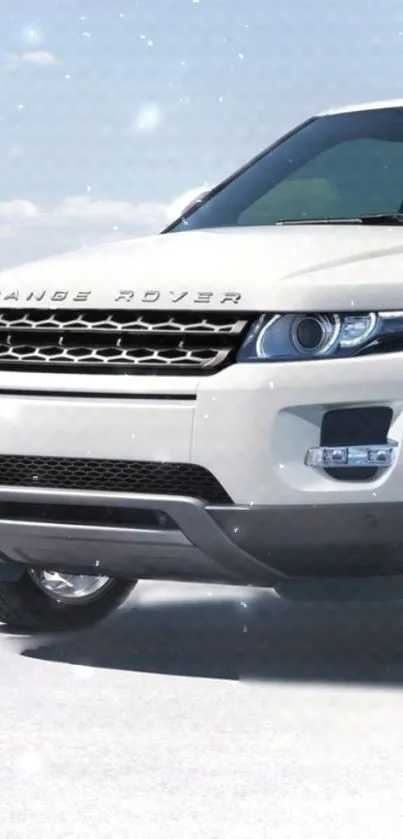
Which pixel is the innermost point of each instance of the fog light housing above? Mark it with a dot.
(381, 456)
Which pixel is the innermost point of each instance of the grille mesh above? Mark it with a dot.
(112, 476)
(164, 342)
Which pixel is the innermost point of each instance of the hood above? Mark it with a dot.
(328, 268)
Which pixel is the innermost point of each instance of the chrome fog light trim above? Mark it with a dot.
(382, 455)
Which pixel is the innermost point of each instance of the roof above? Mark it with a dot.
(366, 106)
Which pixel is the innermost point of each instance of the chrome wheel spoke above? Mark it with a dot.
(69, 588)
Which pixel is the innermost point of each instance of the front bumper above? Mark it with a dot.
(162, 537)
(250, 426)
(260, 546)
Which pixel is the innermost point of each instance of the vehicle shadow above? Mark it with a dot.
(252, 636)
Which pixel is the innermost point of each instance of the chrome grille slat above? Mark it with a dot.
(93, 320)
(167, 342)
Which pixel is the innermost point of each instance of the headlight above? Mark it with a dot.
(296, 337)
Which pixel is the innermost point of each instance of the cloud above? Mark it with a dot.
(18, 210)
(30, 231)
(83, 209)
(7, 231)
(91, 211)
(41, 58)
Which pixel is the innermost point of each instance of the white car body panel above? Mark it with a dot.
(329, 268)
(74, 427)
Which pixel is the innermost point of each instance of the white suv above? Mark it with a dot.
(222, 402)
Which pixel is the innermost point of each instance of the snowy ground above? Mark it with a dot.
(206, 713)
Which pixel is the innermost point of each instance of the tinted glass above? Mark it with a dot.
(338, 166)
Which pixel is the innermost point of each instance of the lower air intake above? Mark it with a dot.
(88, 474)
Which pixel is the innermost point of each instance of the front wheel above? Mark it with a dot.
(48, 600)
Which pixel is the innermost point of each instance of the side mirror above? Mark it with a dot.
(185, 203)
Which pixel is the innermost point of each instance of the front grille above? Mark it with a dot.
(131, 342)
(144, 477)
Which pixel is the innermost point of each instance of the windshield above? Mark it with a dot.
(339, 166)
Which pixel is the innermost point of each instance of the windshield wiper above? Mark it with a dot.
(382, 218)
(376, 218)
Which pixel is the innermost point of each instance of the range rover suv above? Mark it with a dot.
(222, 402)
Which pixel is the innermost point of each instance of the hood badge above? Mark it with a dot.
(122, 297)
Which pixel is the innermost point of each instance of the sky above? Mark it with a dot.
(112, 109)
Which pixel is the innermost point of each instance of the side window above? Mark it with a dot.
(350, 179)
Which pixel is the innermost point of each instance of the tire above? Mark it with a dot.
(24, 605)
